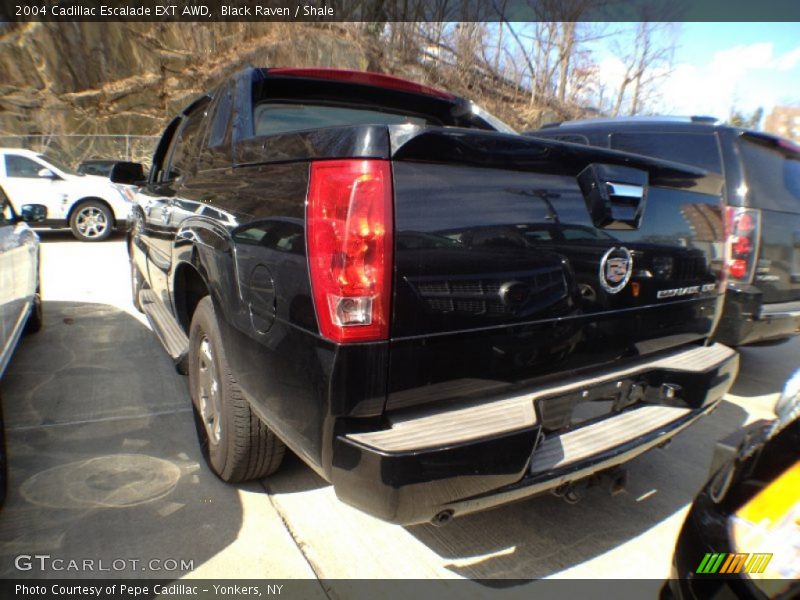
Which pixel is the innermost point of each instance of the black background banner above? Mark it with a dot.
(210, 11)
(335, 589)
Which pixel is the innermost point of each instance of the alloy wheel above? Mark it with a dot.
(91, 222)
(209, 392)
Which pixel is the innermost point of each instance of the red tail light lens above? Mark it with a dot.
(743, 226)
(742, 246)
(743, 222)
(349, 217)
(737, 268)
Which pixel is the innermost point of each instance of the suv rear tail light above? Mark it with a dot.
(743, 227)
(349, 217)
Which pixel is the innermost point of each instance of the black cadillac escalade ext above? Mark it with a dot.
(762, 195)
(436, 314)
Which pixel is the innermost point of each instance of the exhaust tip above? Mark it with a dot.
(442, 518)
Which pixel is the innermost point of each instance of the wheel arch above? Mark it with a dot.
(189, 286)
(202, 250)
(84, 200)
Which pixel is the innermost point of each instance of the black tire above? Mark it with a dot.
(91, 221)
(244, 448)
(35, 318)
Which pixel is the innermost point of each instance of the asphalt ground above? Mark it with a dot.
(104, 464)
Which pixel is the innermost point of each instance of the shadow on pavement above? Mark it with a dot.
(103, 460)
(545, 535)
(762, 370)
(294, 476)
(65, 235)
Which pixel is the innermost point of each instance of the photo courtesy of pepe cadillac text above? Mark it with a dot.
(146, 590)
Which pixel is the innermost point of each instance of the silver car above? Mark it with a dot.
(20, 301)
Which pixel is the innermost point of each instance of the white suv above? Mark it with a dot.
(91, 206)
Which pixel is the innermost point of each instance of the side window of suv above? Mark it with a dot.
(220, 126)
(773, 174)
(20, 166)
(216, 151)
(185, 146)
(697, 149)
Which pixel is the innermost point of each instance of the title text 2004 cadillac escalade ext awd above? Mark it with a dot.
(436, 314)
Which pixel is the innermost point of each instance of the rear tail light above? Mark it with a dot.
(350, 247)
(743, 226)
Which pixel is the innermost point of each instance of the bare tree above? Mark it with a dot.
(647, 59)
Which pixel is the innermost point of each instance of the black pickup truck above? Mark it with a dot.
(436, 314)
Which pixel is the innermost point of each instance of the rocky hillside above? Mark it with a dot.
(129, 78)
(68, 87)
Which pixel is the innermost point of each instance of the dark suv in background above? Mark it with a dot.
(762, 194)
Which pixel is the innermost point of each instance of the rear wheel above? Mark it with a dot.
(91, 221)
(236, 443)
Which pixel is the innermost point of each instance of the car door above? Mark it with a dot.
(18, 266)
(23, 185)
(162, 205)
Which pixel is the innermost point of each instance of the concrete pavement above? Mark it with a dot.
(103, 457)
(104, 463)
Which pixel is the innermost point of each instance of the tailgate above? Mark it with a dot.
(519, 260)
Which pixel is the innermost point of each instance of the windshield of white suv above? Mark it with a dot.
(58, 164)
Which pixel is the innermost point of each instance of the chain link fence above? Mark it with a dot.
(72, 149)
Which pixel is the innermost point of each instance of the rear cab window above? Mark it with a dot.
(696, 149)
(282, 105)
(772, 171)
(273, 118)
